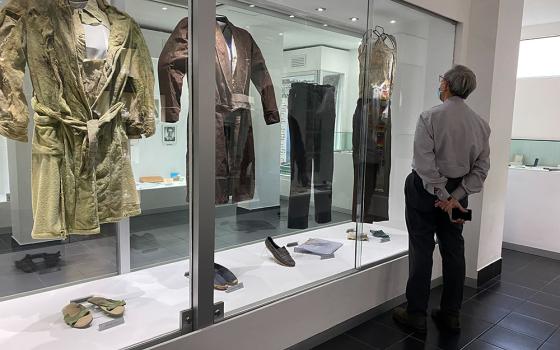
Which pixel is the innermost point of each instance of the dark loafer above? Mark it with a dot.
(415, 322)
(281, 255)
(447, 321)
(226, 274)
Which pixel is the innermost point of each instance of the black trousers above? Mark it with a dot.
(376, 162)
(311, 116)
(423, 221)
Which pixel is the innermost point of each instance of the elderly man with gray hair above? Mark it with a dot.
(451, 162)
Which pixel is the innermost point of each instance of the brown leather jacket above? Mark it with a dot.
(232, 88)
(235, 156)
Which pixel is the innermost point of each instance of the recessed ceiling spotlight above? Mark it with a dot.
(321, 9)
(281, 34)
(325, 25)
(292, 16)
(251, 5)
(393, 21)
(354, 19)
(164, 8)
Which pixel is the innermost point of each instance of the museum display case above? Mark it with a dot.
(133, 209)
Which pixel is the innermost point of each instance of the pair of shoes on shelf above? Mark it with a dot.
(280, 254)
(417, 322)
(223, 278)
(351, 235)
(78, 316)
(144, 241)
(27, 264)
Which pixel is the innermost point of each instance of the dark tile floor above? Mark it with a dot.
(520, 310)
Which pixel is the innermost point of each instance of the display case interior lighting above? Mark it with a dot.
(321, 9)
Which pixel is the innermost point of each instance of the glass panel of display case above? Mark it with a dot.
(94, 229)
(419, 47)
(287, 89)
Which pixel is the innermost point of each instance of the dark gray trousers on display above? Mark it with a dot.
(311, 116)
(423, 221)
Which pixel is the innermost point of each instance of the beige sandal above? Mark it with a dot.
(77, 316)
(351, 235)
(114, 308)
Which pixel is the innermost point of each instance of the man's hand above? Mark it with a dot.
(448, 206)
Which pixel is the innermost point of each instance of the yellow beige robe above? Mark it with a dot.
(84, 115)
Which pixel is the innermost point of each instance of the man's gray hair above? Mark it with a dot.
(461, 80)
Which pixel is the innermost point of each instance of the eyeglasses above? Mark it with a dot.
(441, 78)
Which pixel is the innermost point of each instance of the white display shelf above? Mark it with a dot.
(155, 296)
(142, 186)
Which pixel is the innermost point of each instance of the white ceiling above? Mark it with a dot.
(305, 30)
(541, 12)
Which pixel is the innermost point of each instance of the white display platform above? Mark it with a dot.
(155, 296)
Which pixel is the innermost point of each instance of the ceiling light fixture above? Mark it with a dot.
(325, 25)
(251, 5)
(393, 21)
(281, 34)
(321, 9)
(354, 19)
(164, 8)
(292, 16)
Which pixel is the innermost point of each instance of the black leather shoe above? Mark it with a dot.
(447, 321)
(226, 274)
(415, 322)
(281, 255)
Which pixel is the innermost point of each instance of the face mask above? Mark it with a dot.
(439, 94)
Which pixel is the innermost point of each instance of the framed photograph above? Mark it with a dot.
(169, 134)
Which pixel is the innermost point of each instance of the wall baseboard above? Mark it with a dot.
(531, 250)
(489, 272)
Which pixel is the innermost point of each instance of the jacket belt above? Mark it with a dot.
(90, 128)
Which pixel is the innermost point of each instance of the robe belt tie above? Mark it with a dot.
(90, 128)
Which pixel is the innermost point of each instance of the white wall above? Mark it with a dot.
(536, 114)
(490, 47)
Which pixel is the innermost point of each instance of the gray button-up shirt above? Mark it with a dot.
(452, 141)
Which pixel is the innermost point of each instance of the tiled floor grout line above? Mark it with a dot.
(360, 341)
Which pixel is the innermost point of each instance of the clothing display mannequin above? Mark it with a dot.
(93, 81)
(376, 85)
(238, 62)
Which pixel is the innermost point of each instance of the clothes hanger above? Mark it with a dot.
(379, 31)
(222, 18)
